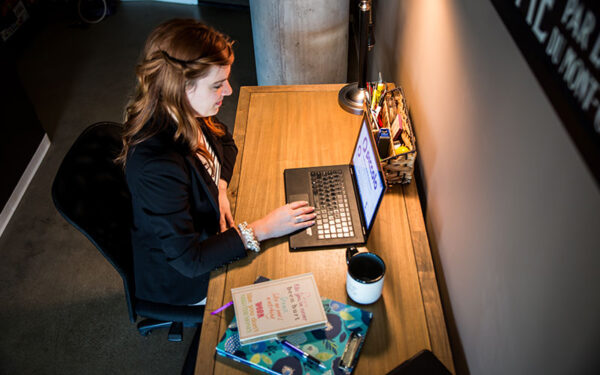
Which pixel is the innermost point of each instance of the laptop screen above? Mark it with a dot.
(367, 174)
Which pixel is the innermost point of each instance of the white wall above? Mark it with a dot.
(513, 213)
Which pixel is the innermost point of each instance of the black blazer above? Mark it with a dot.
(175, 235)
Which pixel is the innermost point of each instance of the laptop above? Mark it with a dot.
(346, 197)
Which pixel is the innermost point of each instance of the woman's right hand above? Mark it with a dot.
(284, 220)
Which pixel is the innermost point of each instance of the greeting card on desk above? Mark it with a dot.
(333, 345)
(278, 307)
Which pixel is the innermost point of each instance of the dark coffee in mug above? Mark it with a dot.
(366, 267)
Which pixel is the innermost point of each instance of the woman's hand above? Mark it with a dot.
(226, 219)
(284, 220)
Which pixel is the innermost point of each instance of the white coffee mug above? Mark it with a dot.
(364, 278)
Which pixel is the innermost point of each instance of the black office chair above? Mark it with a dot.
(90, 192)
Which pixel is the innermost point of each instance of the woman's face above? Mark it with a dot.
(206, 94)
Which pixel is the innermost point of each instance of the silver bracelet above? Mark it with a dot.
(249, 236)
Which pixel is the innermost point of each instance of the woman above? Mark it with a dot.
(178, 162)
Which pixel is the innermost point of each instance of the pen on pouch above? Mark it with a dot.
(221, 308)
(302, 353)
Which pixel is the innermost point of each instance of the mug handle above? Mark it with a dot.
(350, 252)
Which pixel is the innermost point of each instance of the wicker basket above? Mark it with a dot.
(398, 168)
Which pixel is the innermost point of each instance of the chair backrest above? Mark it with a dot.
(91, 193)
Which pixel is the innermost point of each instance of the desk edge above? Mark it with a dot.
(208, 344)
(436, 324)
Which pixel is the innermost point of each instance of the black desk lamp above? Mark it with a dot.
(352, 95)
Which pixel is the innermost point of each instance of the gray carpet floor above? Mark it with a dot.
(62, 307)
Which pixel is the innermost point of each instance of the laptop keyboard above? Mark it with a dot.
(331, 205)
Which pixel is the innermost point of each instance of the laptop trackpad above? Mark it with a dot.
(298, 197)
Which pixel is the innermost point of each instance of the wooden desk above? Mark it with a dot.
(281, 127)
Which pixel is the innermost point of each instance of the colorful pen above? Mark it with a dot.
(302, 354)
(221, 308)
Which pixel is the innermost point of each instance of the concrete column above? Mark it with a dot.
(300, 42)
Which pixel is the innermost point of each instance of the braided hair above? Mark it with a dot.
(176, 54)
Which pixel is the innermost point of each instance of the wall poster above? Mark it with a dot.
(560, 39)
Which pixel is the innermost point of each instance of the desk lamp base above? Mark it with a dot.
(351, 98)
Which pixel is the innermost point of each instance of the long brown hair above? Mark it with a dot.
(176, 53)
